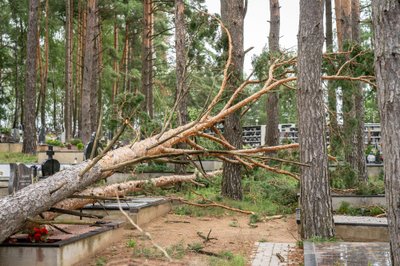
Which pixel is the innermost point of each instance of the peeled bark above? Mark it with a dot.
(232, 14)
(272, 132)
(315, 199)
(29, 143)
(386, 19)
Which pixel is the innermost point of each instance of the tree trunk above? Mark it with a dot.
(232, 14)
(115, 67)
(94, 85)
(68, 70)
(181, 73)
(45, 69)
(386, 19)
(147, 57)
(88, 64)
(334, 134)
(353, 104)
(359, 147)
(316, 205)
(29, 143)
(272, 132)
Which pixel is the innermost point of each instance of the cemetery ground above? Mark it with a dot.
(231, 235)
(232, 241)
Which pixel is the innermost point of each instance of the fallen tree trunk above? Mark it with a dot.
(121, 189)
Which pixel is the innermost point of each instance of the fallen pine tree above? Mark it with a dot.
(16, 209)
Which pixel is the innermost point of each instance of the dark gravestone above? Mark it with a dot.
(89, 147)
(50, 166)
(20, 177)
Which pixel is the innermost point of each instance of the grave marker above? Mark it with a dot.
(50, 166)
(20, 177)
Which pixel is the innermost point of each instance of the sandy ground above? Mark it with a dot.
(174, 232)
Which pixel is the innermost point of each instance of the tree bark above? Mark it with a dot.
(68, 70)
(95, 105)
(334, 134)
(386, 20)
(359, 112)
(147, 56)
(316, 205)
(181, 73)
(29, 143)
(232, 14)
(272, 130)
(45, 70)
(88, 64)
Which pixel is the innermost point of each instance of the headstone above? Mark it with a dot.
(42, 136)
(371, 158)
(89, 147)
(15, 134)
(62, 137)
(20, 177)
(50, 166)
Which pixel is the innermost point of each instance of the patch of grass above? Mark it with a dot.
(17, 157)
(131, 243)
(264, 193)
(299, 244)
(149, 253)
(101, 261)
(227, 259)
(177, 251)
(234, 224)
(196, 247)
(254, 218)
(374, 187)
(346, 209)
(263, 240)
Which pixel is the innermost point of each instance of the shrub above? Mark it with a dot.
(54, 142)
(75, 141)
(80, 146)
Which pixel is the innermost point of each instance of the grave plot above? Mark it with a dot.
(60, 248)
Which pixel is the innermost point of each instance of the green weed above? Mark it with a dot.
(17, 157)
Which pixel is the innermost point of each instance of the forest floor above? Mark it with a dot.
(231, 238)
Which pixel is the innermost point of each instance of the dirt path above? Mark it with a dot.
(234, 236)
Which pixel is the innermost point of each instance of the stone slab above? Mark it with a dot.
(266, 254)
(346, 253)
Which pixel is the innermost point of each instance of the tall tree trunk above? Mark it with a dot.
(77, 124)
(87, 82)
(386, 20)
(334, 134)
(147, 56)
(272, 132)
(232, 14)
(353, 104)
(94, 86)
(359, 147)
(68, 70)
(116, 66)
(45, 70)
(17, 93)
(316, 205)
(181, 73)
(29, 143)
